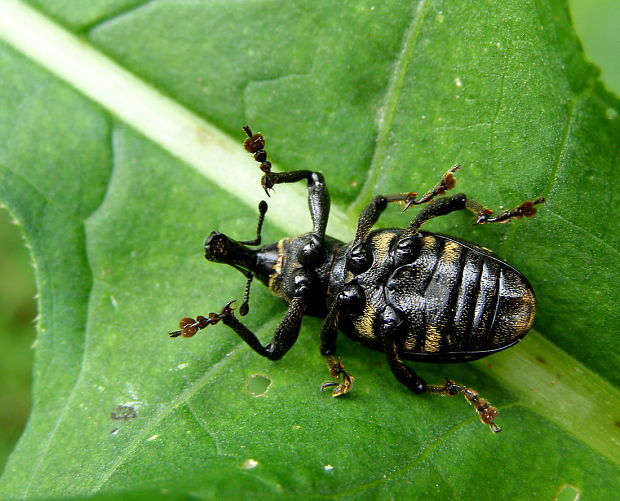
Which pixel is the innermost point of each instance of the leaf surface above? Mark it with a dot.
(120, 157)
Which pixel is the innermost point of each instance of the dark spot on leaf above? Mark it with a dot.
(123, 412)
(541, 360)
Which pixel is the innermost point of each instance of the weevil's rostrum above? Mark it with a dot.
(411, 294)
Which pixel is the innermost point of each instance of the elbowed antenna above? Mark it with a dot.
(221, 249)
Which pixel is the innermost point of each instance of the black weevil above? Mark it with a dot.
(411, 294)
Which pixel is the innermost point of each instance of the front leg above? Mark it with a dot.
(313, 254)
(284, 336)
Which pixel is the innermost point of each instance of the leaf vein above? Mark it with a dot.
(387, 112)
(498, 109)
(112, 16)
(555, 169)
(587, 232)
(401, 471)
(182, 399)
(70, 397)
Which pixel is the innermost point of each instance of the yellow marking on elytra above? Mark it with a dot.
(528, 303)
(429, 242)
(409, 343)
(451, 252)
(432, 339)
(364, 323)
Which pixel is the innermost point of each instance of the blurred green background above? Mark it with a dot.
(17, 311)
(596, 22)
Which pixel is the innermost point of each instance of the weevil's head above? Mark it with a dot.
(259, 261)
(221, 249)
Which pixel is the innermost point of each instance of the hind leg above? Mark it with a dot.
(392, 326)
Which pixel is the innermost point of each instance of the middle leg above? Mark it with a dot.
(350, 299)
(359, 258)
(460, 201)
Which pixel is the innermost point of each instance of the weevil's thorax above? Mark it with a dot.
(360, 323)
(287, 264)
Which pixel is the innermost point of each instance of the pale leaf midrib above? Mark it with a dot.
(162, 120)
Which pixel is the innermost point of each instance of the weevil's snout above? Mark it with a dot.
(217, 247)
(221, 249)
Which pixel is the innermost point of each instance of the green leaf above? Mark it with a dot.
(120, 150)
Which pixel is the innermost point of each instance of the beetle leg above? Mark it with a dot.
(483, 215)
(359, 258)
(447, 182)
(336, 369)
(392, 324)
(284, 336)
(435, 208)
(313, 254)
(329, 333)
(189, 326)
(486, 412)
(460, 201)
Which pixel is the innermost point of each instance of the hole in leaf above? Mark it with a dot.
(258, 385)
(568, 493)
